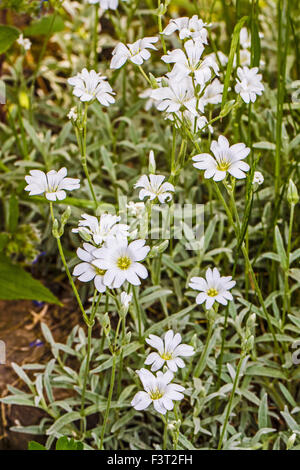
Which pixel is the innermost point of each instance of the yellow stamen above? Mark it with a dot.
(155, 394)
(99, 272)
(223, 165)
(212, 292)
(166, 356)
(124, 262)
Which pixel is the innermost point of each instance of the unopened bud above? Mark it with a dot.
(292, 193)
(153, 81)
(152, 163)
(158, 249)
(66, 215)
(84, 235)
(55, 231)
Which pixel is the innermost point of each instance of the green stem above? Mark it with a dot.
(287, 293)
(236, 380)
(201, 363)
(165, 420)
(88, 358)
(95, 35)
(81, 140)
(110, 393)
(61, 252)
(144, 75)
(41, 55)
(249, 266)
(138, 311)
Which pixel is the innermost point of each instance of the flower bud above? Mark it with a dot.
(292, 193)
(153, 81)
(152, 163)
(55, 230)
(158, 249)
(66, 215)
(84, 235)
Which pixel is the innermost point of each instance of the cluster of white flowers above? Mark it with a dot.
(137, 52)
(245, 51)
(111, 259)
(90, 85)
(24, 42)
(158, 388)
(102, 229)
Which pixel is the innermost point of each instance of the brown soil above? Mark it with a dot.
(20, 329)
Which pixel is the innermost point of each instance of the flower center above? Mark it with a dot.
(99, 272)
(155, 394)
(212, 292)
(166, 356)
(123, 262)
(223, 165)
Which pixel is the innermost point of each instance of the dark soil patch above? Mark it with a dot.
(21, 332)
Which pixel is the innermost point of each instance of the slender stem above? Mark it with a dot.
(236, 380)
(144, 75)
(111, 388)
(287, 293)
(42, 53)
(165, 420)
(161, 33)
(87, 365)
(83, 155)
(249, 266)
(201, 363)
(138, 311)
(61, 252)
(95, 35)
(88, 358)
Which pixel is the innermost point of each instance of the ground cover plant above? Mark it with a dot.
(150, 162)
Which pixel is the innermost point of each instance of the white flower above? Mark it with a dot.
(121, 262)
(90, 85)
(195, 123)
(105, 4)
(146, 95)
(136, 209)
(103, 228)
(213, 288)
(73, 114)
(245, 38)
(24, 42)
(245, 58)
(188, 28)
(189, 62)
(227, 159)
(87, 271)
(152, 162)
(219, 57)
(213, 92)
(126, 299)
(154, 187)
(158, 390)
(136, 52)
(169, 350)
(175, 96)
(249, 83)
(258, 178)
(53, 184)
